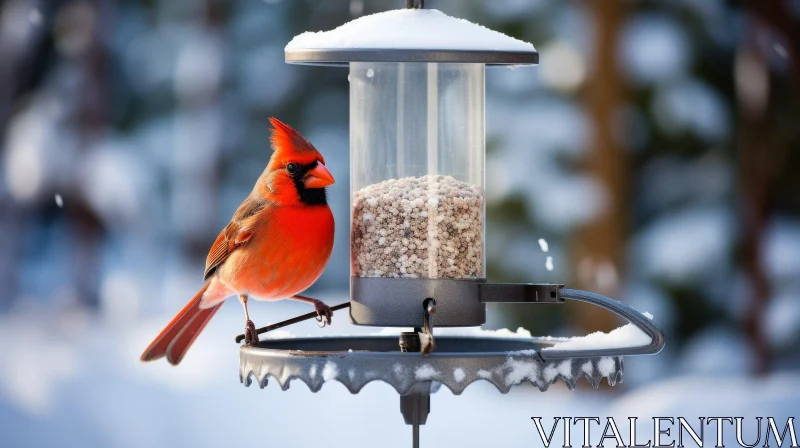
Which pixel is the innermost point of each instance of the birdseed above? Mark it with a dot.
(418, 227)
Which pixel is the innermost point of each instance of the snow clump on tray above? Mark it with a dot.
(626, 336)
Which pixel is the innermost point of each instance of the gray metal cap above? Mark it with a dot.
(409, 35)
(341, 57)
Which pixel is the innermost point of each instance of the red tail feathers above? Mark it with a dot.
(174, 341)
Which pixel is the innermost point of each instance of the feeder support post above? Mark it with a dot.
(416, 405)
(415, 4)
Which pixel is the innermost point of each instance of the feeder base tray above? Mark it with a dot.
(456, 363)
(416, 366)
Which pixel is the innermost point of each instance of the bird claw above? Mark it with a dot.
(324, 314)
(250, 334)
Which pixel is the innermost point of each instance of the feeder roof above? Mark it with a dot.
(409, 35)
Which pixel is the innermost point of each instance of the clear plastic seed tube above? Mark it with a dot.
(417, 170)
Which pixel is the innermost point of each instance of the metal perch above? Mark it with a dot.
(294, 320)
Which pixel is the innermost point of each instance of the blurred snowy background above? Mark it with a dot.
(662, 145)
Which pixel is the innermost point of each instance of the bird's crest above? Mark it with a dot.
(286, 140)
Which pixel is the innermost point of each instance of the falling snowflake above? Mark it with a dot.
(543, 245)
(549, 263)
(356, 7)
(781, 50)
(35, 17)
(59, 201)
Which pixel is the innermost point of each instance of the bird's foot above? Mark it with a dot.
(324, 313)
(250, 334)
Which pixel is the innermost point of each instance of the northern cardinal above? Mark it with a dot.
(276, 245)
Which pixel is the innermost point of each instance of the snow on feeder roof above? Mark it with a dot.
(409, 35)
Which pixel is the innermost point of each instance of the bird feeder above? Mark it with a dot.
(417, 151)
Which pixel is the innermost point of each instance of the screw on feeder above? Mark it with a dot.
(409, 341)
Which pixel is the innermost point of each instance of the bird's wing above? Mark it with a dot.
(236, 233)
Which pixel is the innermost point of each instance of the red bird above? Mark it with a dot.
(276, 245)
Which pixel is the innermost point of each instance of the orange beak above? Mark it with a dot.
(319, 177)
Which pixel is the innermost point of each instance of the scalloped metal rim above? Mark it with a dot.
(405, 371)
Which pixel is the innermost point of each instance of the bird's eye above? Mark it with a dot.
(291, 168)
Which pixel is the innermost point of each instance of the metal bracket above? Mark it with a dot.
(632, 315)
(520, 292)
